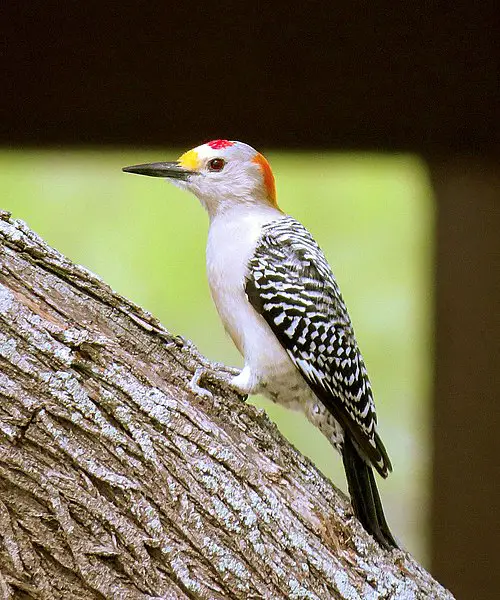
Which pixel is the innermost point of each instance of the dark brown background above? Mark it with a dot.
(394, 76)
(341, 75)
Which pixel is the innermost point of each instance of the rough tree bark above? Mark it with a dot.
(117, 482)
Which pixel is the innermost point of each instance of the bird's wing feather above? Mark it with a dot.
(290, 283)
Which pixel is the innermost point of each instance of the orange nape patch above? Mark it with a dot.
(268, 176)
(189, 160)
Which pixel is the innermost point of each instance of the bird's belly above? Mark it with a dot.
(287, 387)
(290, 389)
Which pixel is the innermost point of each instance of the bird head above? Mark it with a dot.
(220, 174)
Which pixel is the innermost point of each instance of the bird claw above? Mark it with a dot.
(223, 377)
(194, 384)
(233, 371)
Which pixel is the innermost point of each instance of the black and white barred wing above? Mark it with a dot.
(292, 286)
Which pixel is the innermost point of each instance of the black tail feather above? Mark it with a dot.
(365, 498)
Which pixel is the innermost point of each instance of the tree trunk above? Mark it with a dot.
(117, 482)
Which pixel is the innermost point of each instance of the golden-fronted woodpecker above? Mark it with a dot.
(280, 303)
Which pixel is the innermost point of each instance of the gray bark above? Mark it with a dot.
(117, 482)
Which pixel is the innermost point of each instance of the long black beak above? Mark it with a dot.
(173, 170)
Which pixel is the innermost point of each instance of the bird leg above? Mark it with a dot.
(217, 373)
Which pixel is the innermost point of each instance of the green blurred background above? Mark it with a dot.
(373, 216)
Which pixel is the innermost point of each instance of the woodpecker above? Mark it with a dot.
(280, 303)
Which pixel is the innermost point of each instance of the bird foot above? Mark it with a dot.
(223, 377)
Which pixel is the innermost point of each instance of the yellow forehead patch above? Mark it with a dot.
(189, 160)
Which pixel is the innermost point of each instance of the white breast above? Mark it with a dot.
(232, 239)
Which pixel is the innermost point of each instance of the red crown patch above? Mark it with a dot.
(219, 144)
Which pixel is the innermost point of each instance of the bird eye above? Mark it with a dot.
(216, 164)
